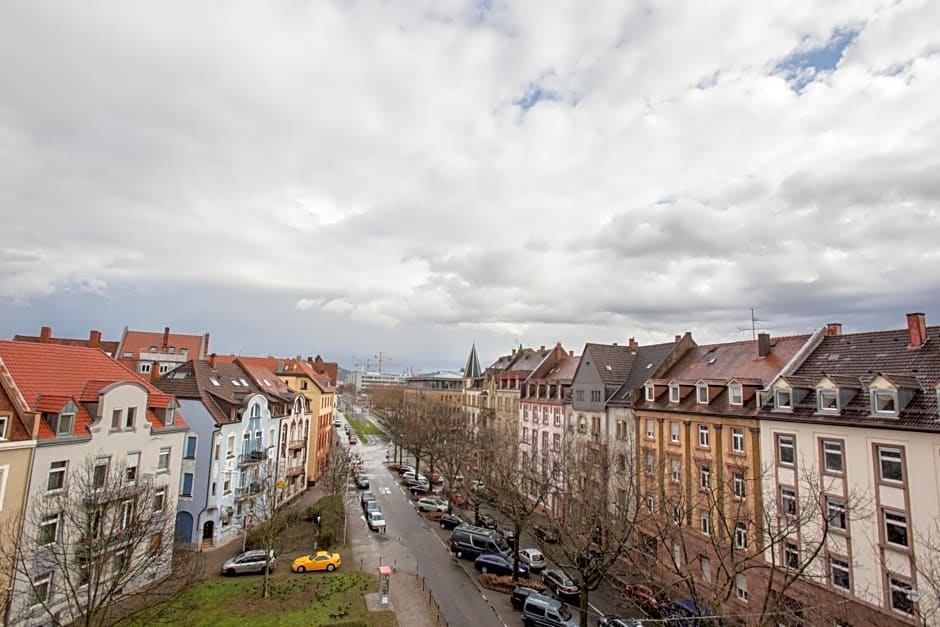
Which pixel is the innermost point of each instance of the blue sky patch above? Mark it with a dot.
(533, 95)
(801, 67)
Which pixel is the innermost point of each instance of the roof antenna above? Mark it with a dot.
(754, 321)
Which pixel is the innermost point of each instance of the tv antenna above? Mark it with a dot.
(754, 321)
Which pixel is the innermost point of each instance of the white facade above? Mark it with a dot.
(293, 449)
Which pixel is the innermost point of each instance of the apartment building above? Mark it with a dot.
(154, 354)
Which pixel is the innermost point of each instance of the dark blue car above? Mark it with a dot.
(498, 564)
(685, 613)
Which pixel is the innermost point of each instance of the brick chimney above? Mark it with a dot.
(166, 339)
(916, 329)
(678, 338)
(204, 349)
(834, 328)
(633, 345)
(571, 353)
(44, 334)
(212, 361)
(763, 344)
(94, 338)
(155, 371)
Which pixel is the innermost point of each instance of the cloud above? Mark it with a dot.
(510, 170)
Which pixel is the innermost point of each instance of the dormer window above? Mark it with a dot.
(3, 427)
(673, 392)
(735, 394)
(884, 402)
(701, 393)
(783, 399)
(828, 400)
(170, 415)
(650, 392)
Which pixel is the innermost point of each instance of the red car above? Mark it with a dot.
(648, 598)
(353, 440)
(458, 499)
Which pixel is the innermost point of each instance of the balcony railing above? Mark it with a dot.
(252, 457)
(296, 444)
(295, 471)
(247, 491)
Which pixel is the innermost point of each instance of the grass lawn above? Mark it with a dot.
(296, 599)
(364, 428)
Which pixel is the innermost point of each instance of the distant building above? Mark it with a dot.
(93, 341)
(364, 380)
(154, 354)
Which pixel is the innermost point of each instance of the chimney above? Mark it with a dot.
(166, 338)
(204, 349)
(763, 344)
(154, 372)
(514, 352)
(916, 329)
(542, 348)
(834, 328)
(44, 334)
(212, 361)
(633, 344)
(678, 338)
(309, 360)
(571, 353)
(94, 338)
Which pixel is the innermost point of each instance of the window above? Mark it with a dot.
(706, 569)
(650, 503)
(674, 431)
(828, 400)
(676, 470)
(677, 554)
(704, 476)
(525, 435)
(595, 396)
(56, 479)
(133, 461)
(650, 463)
(100, 472)
(170, 415)
(649, 392)
(737, 480)
(705, 522)
(117, 418)
(701, 394)
(832, 456)
(783, 399)
(735, 394)
(673, 392)
(889, 461)
(42, 588)
(791, 555)
(884, 402)
(558, 420)
(737, 440)
(785, 453)
(64, 423)
(650, 429)
(787, 501)
(49, 530)
(227, 485)
(164, 368)
(188, 484)
(131, 415)
(839, 573)
(4, 421)
(901, 595)
(740, 586)
(231, 446)
(835, 513)
(163, 461)
(579, 395)
(145, 368)
(159, 499)
(218, 450)
(895, 525)
(740, 536)
(676, 513)
(703, 436)
(556, 442)
(191, 442)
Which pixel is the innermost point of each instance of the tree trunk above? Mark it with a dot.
(584, 606)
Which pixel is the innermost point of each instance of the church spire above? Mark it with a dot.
(472, 369)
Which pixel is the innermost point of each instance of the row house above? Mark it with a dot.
(544, 398)
(231, 454)
(316, 386)
(508, 384)
(699, 467)
(856, 427)
(92, 341)
(154, 353)
(92, 420)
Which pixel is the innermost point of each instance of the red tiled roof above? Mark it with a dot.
(51, 403)
(137, 342)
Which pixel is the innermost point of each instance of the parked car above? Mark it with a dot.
(403, 469)
(249, 562)
(419, 488)
(561, 584)
(498, 564)
(519, 595)
(371, 506)
(486, 521)
(432, 504)
(337, 422)
(648, 598)
(467, 542)
(362, 482)
(365, 497)
(321, 560)
(458, 499)
(353, 440)
(449, 521)
(618, 621)
(376, 521)
(533, 559)
(545, 534)
(510, 537)
(540, 610)
(685, 613)
(436, 478)
(409, 475)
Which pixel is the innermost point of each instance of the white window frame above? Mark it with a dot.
(163, 459)
(904, 587)
(706, 569)
(836, 513)
(650, 463)
(737, 440)
(58, 467)
(740, 536)
(822, 394)
(781, 446)
(100, 462)
(705, 478)
(649, 392)
(788, 501)
(38, 583)
(674, 431)
(703, 436)
(892, 395)
(117, 419)
(740, 488)
(705, 522)
(145, 367)
(791, 554)
(159, 499)
(674, 393)
(898, 520)
(778, 402)
(829, 450)
(4, 473)
(840, 564)
(883, 457)
(4, 425)
(650, 503)
(736, 394)
(675, 470)
(55, 522)
(701, 394)
(650, 429)
(132, 470)
(130, 418)
(65, 424)
(740, 586)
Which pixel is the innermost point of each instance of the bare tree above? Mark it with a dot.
(453, 446)
(269, 517)
(335, 481)
(87, 548)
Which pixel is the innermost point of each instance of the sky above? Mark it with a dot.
(350, 177)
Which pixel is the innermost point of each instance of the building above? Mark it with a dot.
(474, 396)
(321, 395)
(93, 341)
(155, 354)
(87, 410)
(363, 380)
(443, 387)
(856, 428)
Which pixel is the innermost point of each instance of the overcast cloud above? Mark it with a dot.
(349, 177)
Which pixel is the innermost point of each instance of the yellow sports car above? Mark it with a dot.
(323, 560)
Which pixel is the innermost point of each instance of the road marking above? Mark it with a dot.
(385, 490)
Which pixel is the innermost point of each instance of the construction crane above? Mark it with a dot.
(362, 366)
(382, 358)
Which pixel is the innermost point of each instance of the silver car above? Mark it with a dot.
(432, 504)
(532, 558)
(248, 562)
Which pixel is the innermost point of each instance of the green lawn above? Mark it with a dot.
(302, 600)
(364, 428)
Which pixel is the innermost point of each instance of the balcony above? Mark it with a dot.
(252, 457)
(247, 491)
(295, 471)
(296, 445)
